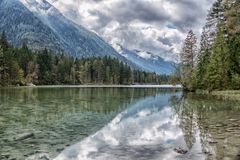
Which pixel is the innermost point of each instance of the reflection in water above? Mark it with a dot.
(150, 129)
(117, 124)
(57, 117)
(217, 123)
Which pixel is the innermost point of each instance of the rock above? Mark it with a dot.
(30, 85)
(220, 137)
(219, 125)
(5, 155)
(41, 156)
(213, 142)
(235, 125)
(23, 136)
(180, 150)
(59, 149)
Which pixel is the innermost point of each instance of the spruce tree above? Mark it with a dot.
(214, 17)
(2, 67)
(202, 60)
(188, 60)
(3, 42)
(232, 23)
(219, 66)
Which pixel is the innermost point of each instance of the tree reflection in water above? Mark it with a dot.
(217, 121)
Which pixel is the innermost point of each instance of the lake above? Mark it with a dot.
(71, 123)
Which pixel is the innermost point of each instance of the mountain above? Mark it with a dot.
(41, 25)
(147, 61)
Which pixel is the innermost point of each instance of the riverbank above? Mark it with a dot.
(225, 95)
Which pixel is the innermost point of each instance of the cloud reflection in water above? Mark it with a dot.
(148, 129)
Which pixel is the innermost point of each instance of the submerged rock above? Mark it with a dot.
(23, 136)
(180, 150)
(5, 155)
(41, 156)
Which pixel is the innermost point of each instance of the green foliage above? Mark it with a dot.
(21, 66)
(176, 77)
(235, 82)
(188, 58)
(218, 66)
(201, 69)
(232, 16)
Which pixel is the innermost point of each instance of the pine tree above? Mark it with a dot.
(219, 66)
(188, 60)
(4, 42)
(2, 67)
(44, 61)
(232, 15)
(202, 60)
(232, 23)
(16, 74)
(24, 57)
(214, 17)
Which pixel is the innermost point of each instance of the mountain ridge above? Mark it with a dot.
(146, 60)
(32, 23)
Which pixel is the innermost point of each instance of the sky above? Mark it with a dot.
(157, 26)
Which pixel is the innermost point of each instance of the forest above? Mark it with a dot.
(215, 63)
(21, 66)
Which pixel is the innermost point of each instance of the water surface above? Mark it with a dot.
(117, 124)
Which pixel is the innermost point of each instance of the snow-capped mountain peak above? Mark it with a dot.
(146, 60)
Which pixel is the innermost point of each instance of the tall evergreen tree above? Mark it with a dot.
(2, 67)
(219, 65)
(3, 42)
(202, 60)
(232, 14)
(214, 17)
(188, 59)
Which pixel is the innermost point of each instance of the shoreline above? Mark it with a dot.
(101, 86)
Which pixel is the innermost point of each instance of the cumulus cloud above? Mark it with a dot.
(157, 26)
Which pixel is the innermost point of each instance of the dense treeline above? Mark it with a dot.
(216, 65)
(21, 66)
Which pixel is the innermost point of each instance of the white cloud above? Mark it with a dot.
(157, 26)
